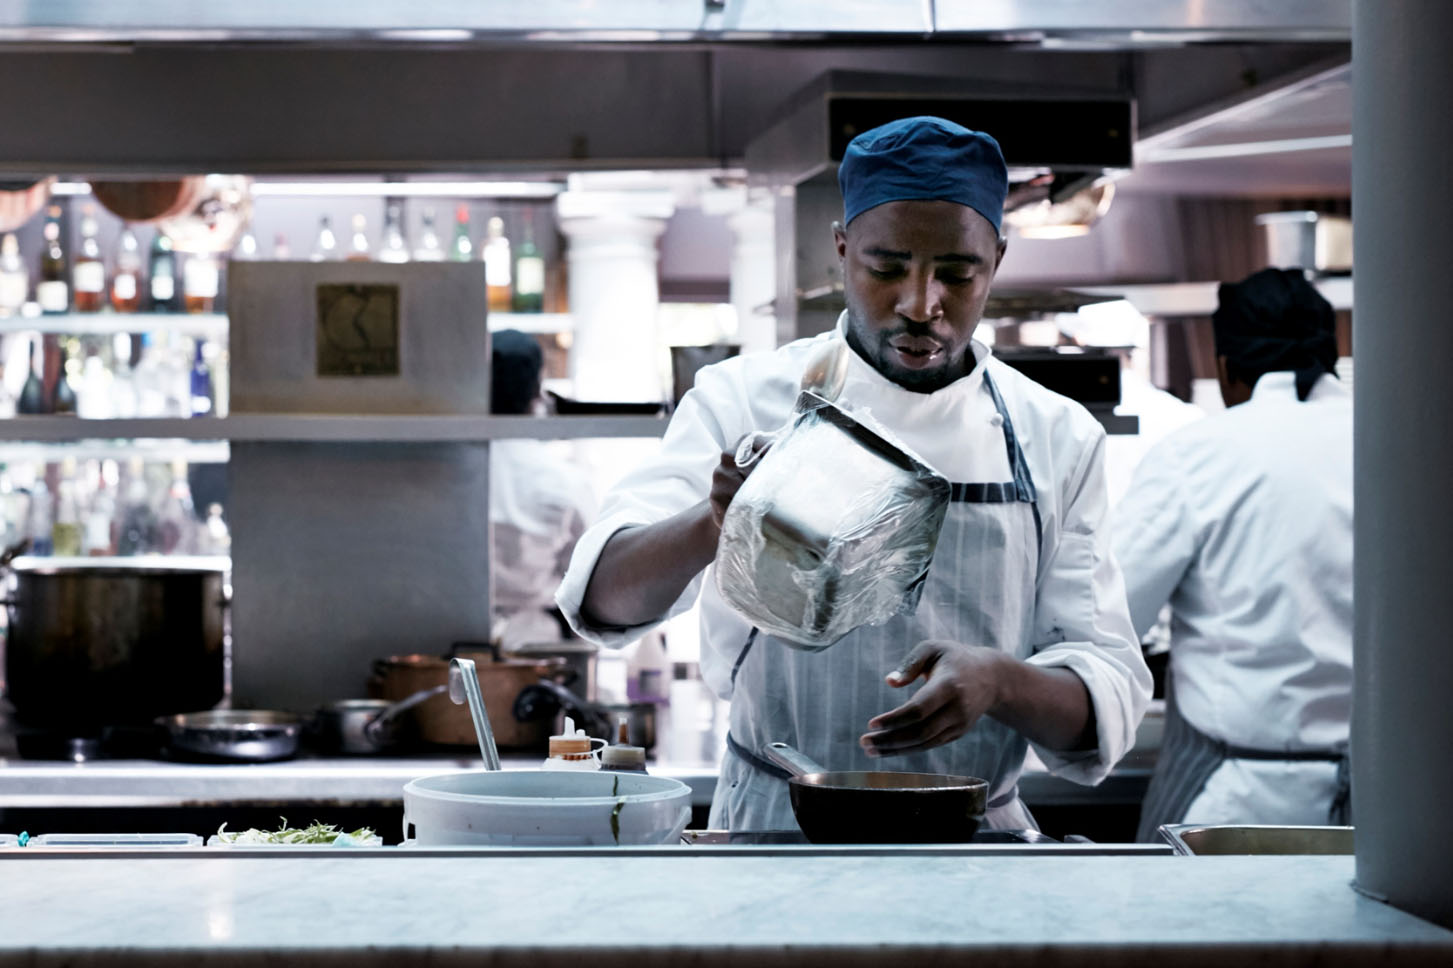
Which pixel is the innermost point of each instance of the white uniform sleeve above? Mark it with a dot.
(676, 478)
(1081, 623)
(1155, 538)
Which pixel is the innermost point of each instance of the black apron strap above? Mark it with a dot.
(754, 761)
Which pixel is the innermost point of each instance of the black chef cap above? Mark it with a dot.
(1274, 320)
(515, 376)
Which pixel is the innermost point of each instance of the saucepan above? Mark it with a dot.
(871, 807)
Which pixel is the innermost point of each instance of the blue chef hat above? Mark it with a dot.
(923, 158)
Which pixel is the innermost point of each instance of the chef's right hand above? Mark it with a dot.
(727, 479)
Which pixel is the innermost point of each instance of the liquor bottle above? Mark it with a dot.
(462, 250)
(88, 275)
(395, 247)
(429, 249)
(126, 277)
(63, 399)
(325, 246)
(53, 291)
(529, 296)
(201, 384)
(161, 272)
(32, 395)
(201, 277)
(123, 378)
(281, 251)
(14, 279)
(358, 248)
(65, 530)
(496, 257)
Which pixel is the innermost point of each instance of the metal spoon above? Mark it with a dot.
(464, 687)
(823, 376)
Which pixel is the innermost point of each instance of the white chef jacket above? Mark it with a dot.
(539, 506)
(1243, 522)
(1081, 621)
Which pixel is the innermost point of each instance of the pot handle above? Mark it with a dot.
(376, 721)
(14, 551)
(791, 760)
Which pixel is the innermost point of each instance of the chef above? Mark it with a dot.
(1243, 523)
(539, 504)
(1021, 635)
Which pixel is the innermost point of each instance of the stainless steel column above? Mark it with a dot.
(1402, 731)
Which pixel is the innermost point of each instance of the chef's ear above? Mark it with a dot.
(1003, 247)
(840, 240)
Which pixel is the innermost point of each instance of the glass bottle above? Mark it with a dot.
(281, 251)
(161, 273)
(123, 377)
(325, 245)
(246, 249)
(14, 279)
(529, 294)
(32, 395)
(65, 531)
(395, 247)
(177, 525)
(462, 249)
(53, 290)
(137, 534)
(201, 384)
(42, 514)
(201, 278)
(216, 539)
(358, 248)
(88, 275)
(126, 277)
(63, 400)
(496, 257)
(429, 249)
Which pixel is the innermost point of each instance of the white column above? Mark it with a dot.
(754, 272)
(1402, 731)
(614, 291)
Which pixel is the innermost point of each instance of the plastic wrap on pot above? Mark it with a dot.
(834, 529)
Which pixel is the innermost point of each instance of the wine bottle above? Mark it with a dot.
(53, 291)
(32, 395)
(63, 399)
(161, 274)
(462, 250)
(126, 277)
(14, 279)
(429, 249)
(529, 294)
(395, 247)
(201, 277)
(496, 257)
(88, 276)
(325, 245)
(358, 248)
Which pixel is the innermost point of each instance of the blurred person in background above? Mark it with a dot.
(539, 504)
(1243, 523)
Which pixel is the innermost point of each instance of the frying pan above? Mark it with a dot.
(870, 807)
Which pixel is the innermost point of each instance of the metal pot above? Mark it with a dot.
(363, 726)
(118, 643)
(440, 721)
(243, 735)
(870, 807)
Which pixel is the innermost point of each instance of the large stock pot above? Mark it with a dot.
(113, 641)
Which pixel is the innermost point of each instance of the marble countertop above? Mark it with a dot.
(608, 907)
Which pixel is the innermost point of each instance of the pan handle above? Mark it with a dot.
(791, 760)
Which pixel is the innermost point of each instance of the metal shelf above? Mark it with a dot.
(343, 428)
(147, 449)
(209, 325)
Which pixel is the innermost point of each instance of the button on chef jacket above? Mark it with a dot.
(1079, 622)
(1243, 522)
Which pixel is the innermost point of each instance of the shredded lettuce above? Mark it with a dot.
(316, 833)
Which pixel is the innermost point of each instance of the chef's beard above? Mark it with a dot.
(875, 347)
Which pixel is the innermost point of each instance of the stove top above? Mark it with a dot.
(757, 837)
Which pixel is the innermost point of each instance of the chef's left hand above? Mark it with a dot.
(961, 684)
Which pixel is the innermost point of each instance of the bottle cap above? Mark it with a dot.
(572, 743)
(623, 758)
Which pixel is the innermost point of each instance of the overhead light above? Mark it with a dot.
(1243, 149)
(1062, 220)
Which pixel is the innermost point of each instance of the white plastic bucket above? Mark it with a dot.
(537, 808)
